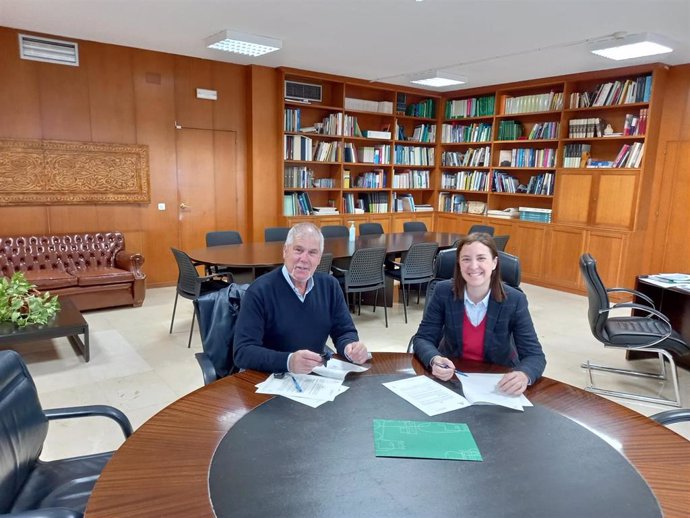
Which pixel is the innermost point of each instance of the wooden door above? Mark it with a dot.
(207, 184)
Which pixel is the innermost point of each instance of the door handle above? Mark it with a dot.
(183, 206)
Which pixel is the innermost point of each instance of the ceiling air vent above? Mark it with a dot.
(302, 91)
(46, 49)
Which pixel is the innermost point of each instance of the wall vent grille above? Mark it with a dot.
(48, 50)
(302, 91)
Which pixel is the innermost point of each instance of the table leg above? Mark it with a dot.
(83, 346)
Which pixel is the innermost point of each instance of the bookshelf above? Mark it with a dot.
(362, 152)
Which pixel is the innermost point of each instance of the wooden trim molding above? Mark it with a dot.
(35, 172)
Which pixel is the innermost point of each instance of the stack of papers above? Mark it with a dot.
(432, 398)
(665, 280)
(313, 391)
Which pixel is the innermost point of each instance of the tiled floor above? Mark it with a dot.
(140, 368)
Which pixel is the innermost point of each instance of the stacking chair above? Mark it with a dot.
(370, 229)
(501, 242)
(444, 264)
(335, 231)
(486, 229)
(326, 262)
(228, 237)
(190, 285)
(276, 234)
(652, 333)
(430, 288)
(510, 269)
(365, 274)
(30, 487)
(417, 268)
(414, 226)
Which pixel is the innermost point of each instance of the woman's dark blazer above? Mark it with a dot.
(510, 338)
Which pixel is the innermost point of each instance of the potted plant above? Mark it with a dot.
(22, 304)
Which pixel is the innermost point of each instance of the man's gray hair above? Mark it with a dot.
(302, 230)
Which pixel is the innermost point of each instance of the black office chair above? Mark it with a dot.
(30, 487)
(672, 416)
(511, 272)
(276, 234)
(430, 288)
(190, 285)
(325, 263)
(416, 268)
(217, 313)
(652, 333)
(444, 264)
(228, 237)
(370, 229)
(365, 274)
(335, 231)
(486, 229)
(414, 226)
(501, 242)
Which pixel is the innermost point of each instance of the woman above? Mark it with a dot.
(476, 317)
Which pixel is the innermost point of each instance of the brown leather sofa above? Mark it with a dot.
(93, 269)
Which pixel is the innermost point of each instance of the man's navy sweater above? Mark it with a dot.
(273, 322)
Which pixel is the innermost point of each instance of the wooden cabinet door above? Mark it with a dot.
(614, 202)
(572, 196)
(563, 249)
(530, 249)
(608, 248)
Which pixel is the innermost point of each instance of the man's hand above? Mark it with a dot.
(304, 361)
(513, 383)
(357, 352)
(442, 368)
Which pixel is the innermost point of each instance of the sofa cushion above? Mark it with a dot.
(103, 275)
(50, 279)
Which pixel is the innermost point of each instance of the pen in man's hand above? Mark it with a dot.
(444, 366)
(296, 383)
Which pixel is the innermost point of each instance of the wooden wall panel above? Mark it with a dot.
(225, 179)
(563, 249)
(190, 74)
(530, 250)
(677, 245)
(608, 248)
(23, 220)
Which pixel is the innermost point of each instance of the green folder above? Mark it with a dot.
(424, 440)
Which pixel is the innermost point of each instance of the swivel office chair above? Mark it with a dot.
(486, 229)
(370, 229)
(414, 226)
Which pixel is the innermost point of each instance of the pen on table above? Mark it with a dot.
(296, 383)
(444, 366)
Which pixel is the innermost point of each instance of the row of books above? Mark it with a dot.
(528, 157)
(448, 202)
(541, 184)
(635, 124)
(586, 128)
(466, 181)
(411, 179)
(637, 90)
(472, 157)
(472, 107)
(509, 130)
(375, 179)
(379, 154)
(513, 130)
(365, 105)
(298, 147)
(424, 133)
(534, 103)
(425, 108)
(298, 177)
(404, 203)
(477, 132)
(297, 204)
(576, 155)
(535, 214)
(414, 155)
(630, 155)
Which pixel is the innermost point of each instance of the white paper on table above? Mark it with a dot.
(664, 284)
(430, 397)
(338, 369)
(314, 403)
(313, 387)
(481, 389)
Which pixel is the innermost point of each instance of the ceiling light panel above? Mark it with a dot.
(243, 43)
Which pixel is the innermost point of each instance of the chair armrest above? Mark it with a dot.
(131, 261)
(672, 416)
(208, 371)
(90, 411)
(49, 512)
(632, 292)
(335, 269)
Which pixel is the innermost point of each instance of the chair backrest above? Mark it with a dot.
(276, 234)
(419, 262)
(335, 231)
(501, 242)
(223, 237)
(444, 265)
(511, 272)
(367, 229)
(187, 275)
(482, 228)
(597, 296)
(414, 226)
(217, 313)
(366, 268)
(23, 426)
(326, 262)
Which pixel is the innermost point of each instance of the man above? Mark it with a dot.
(287, 314)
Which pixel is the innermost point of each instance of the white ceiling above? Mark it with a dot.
(488, 41)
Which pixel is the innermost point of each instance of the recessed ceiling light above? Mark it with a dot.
(243, 43)
(632, 46)
(438, 79)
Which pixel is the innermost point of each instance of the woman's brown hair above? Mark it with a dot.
(495, 286)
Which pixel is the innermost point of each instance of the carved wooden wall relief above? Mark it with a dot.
(34, 172)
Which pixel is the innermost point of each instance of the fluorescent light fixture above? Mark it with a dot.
(242, 43)
(438, 79)
(632, 46)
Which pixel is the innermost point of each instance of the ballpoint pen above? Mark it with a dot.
(444, 366)
(296, 383)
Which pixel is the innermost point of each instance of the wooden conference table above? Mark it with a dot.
(163, 469)
(271, 254)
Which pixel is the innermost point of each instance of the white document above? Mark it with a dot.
(314, 403)
(663, 280)
(481, 389)
(338, 369)
(312, 387)
(430, 397)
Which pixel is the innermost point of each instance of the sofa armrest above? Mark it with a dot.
(130, 261)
